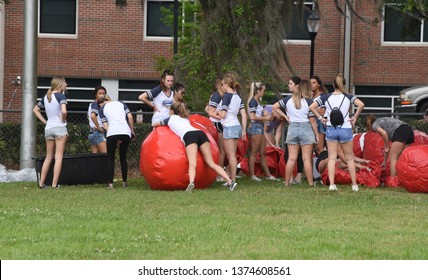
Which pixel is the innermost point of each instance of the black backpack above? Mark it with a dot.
(336, 116)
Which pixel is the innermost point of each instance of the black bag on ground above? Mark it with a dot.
(336, 116)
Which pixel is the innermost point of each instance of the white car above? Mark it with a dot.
(414, 99)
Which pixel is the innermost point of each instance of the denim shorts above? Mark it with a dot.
(95, 137)
(342, 135)
(232, 132)
(300, 133)
(321, 127)
(55, 132)
(256, 128)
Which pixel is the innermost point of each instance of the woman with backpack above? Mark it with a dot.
(339, 127)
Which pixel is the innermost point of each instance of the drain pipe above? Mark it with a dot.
(2, 27)
(29, 85)
(347, 48)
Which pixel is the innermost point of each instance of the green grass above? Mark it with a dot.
(256, 221)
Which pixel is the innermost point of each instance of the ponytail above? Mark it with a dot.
(180, 109)
(339, 83)
(56, 84)
(370, 119)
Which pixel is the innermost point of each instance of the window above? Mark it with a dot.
(156, 22)
(400, 28)
(159, 18)
(298, 29)
(58, 17)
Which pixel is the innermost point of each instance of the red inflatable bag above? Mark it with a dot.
(164, 165)
(412, 169)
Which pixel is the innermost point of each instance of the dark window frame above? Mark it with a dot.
(69, 19)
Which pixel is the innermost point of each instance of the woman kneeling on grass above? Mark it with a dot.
(194, 140)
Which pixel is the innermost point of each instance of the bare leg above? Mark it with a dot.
(192, 152)
(208, 158)
(332, 155)
(349, 156)
(59, 152)
(50, 148)
(394, 153)
(230, 146)
(307, 151)
(263, 161)
(255, 141)
(293, 151)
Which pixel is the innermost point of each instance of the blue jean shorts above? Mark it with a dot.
(321, 127)
(256, 128)
(95, 137)
(300, 133)
(342, 135)
(232, 132)
(55, 132)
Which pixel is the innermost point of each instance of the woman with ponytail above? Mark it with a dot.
(340, 134)
(256, 131)
(302, 131)
(55, 105)
(194, 140)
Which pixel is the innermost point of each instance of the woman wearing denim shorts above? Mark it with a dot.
(212, 110)
(55, 105)
(318, 88)
(339, 135)
(302, 130)
(96, 131)
(231, 105)
(256, 131)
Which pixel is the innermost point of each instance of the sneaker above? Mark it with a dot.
(110, 186)
(332, 188)
(272, 178)
(232, 185)
(190, 187)
(294, 182)
(225, 184)
(255, 178)
(355, 188)
(43, 187)
(57, 187)
(124, 185)
(220, 179)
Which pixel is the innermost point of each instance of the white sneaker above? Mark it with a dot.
(190, 187)
(355, 188)
(332, 188)
(272, 178)
(255, 178)
(220, 179)
(232, 186)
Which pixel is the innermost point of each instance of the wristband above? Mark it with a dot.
(320, 117)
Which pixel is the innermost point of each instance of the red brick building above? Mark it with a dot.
(95, 42)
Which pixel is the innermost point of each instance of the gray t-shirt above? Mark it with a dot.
(387, 124)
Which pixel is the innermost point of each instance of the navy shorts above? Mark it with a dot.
(195, 136)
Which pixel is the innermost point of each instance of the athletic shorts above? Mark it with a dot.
(55, 132)
(404, 133)
(195, 136)
(218, 126)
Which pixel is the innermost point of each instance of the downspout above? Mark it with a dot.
(2, 28)
(29, 85)
(347, 48)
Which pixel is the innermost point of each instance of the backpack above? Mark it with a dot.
(336, 116)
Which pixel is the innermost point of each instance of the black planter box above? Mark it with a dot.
(77, 169)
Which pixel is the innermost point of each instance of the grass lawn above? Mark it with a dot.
(257, 221)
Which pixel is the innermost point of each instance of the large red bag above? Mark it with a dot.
(412, 168)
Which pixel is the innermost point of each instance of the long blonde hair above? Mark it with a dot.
(255, 87)
(56, 84)
(179, 108)
(231, 79)
(339, 83)
(302, 91)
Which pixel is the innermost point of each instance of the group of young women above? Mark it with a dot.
(307, 112)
